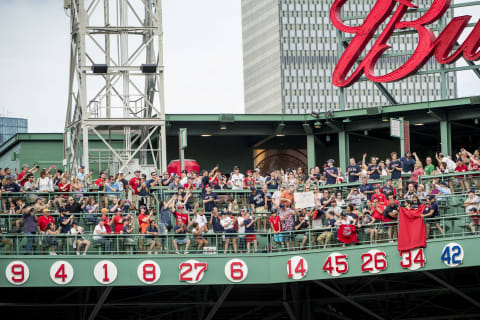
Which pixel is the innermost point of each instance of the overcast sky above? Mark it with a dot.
(203, 59)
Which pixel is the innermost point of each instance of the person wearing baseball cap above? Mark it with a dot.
(180, 214)
(432, 214)
(331, 172)
(133, 183)
(236, 179)
(474, 218)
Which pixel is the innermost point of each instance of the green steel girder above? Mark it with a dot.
(262, 268)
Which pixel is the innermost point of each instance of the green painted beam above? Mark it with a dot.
(337, 114)
(446, 137)
(343, 150)
(311, 159)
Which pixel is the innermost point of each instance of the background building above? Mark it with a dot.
(290, 49)
(11, 126)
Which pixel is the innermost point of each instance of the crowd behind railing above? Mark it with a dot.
(209, 212)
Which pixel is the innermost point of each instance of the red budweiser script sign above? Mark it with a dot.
(428, 45)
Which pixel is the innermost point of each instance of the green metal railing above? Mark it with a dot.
(454, 225)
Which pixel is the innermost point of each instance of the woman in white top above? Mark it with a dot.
(44, 183)
(98, 235)
(79, 241)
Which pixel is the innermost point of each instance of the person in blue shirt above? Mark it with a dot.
(431, 212)
(366, 189)
(215, 221)
(324, 238)
(152, 238)
(209, 199)
(408, 162)
(257, 200)
(249, 223)
(331, 172)
(353, 171)
(395, 167)
(143, 191)
(272, 181)
(374, 170)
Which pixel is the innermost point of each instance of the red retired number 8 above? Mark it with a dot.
(18, 270)
(236, 274)
(149, 269)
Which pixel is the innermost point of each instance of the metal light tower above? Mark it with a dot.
(116, 88)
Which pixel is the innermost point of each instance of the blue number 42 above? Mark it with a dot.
(453, 258)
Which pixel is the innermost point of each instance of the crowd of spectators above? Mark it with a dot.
(199, 204)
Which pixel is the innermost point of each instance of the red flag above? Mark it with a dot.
(411, 229)
(347, 233)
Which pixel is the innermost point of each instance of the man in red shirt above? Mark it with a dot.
(379, 195)
(249, 180)
(118, 221)
(22, 176)
(461, 167)
(133, 183)
(276, 225)
(44, 220)
(179, 214)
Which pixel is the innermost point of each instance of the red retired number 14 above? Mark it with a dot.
(428, 45)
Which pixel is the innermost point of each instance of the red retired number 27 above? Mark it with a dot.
(187, 267)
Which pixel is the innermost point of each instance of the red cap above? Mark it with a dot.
(249, 171)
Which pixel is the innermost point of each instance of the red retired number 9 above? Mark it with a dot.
(17, 273)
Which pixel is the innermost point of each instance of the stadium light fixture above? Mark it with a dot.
(385, 119)
(148, 68)
(100, 68)
(223, 126)
(206, 135)
(317, 124)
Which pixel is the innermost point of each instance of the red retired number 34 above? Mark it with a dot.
(428, 45)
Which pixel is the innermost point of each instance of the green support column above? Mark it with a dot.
(446, 137)
(311, 151)
(343, 150)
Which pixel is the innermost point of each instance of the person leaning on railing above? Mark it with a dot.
(79, 241)
(99, 236)
(303, 223)
(30, 221)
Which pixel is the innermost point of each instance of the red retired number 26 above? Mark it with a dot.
(187, 267)
(378, 259)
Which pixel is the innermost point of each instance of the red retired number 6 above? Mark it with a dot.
(236, 270)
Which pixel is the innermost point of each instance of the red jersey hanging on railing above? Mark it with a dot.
(428, 45)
